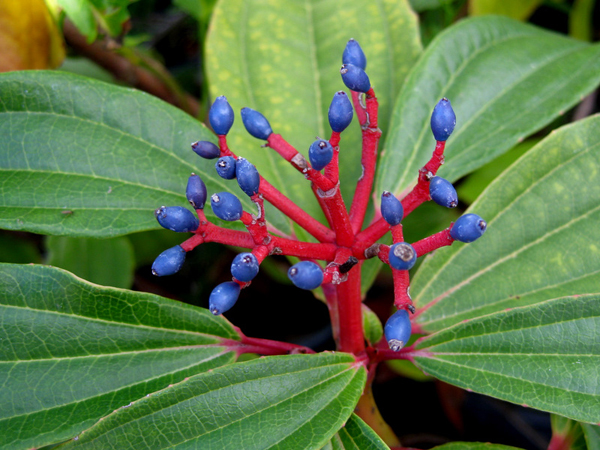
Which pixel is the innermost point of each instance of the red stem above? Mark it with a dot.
(262, 346)
(332, 170)
(433, 242)
(350, 313)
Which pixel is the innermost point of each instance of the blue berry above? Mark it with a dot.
(443, 120)
(320, 154)
(468, 228)
(256, 124)
(340, 112)
(196, 191)
(169, 261)
(244, 267)
(355, 78)
(442, 192)
(306, 275)
(220, 115)
(223, 297)
(226, 206)
(176, 218)
(226, 167)
(391, 208)
(206, 149)
(353, 54)
(247, 177)
(398, 329)
(402, 256)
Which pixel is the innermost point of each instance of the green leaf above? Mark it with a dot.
(473, 446)
(356, 435)
(85, 158)
(371, 325)
(592, 436)
(109, 262)
(71, 352)
(283, 59)
(567, 433)
(541, 241)
(545, 356)
(281, 402)
(505, 80)
(81, 13)
(424, 5)
(516, 9)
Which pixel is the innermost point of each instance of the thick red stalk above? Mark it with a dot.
(350, 313)
(433, 242)
(332, 170)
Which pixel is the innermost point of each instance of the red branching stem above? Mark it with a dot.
(262, 346)
(332, 170)
(361, 113)
(339, 216)
(433, 242)
(256, 228)
(331, 298)
(397, 234)
(285, 205)
(377, 355)
(370, 142)
(350, 313)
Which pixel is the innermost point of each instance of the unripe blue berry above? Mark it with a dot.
(340, 112)
(443, 120)
(320, 154)
(226, 167)
(169, 261)
(244, 267)
(256, 124)
(196, 191)
(402, 256)
(223, 297)
(306, 275)
(468, 228)
(355, 78)
(398, 329)
(247, 177)
(221, 116)
(391, 208)
(176, 218)
(206, 149)
(226, 206)
(443, 193)
(353, 54)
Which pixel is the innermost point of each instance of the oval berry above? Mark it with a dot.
(443, 193)
(226, 167)
(306, 275)
(402, 256)
(398, 329)
(340, 112)
(355, 78)
(221, 116)
(353, 54)
(223, 297)
(247, 176)
(196, 191)
(391, 208)
(206, 149)
(244, 267)
(169, 261)
(468, 228)
(226, 206)
(256, 124)
(443, 120)
(320, 154)
(176, 218)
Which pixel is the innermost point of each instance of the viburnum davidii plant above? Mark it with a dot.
(330, 178)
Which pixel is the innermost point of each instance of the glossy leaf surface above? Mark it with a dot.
(545, 356)
(282, 402)
(505, 80)
(71, 352)
(283, 59)
(356, 435)
(85, 158)
(541, 240)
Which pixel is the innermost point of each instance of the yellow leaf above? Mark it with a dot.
(29, 37)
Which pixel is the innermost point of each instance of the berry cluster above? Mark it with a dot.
(344, 244)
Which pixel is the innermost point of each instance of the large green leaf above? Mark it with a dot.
(283, 59)
(592, 436)
(71, 352)
(282, 402)
(541, 241)
(545, 356)
(356, 435)
(83, 158)
(505, 80)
